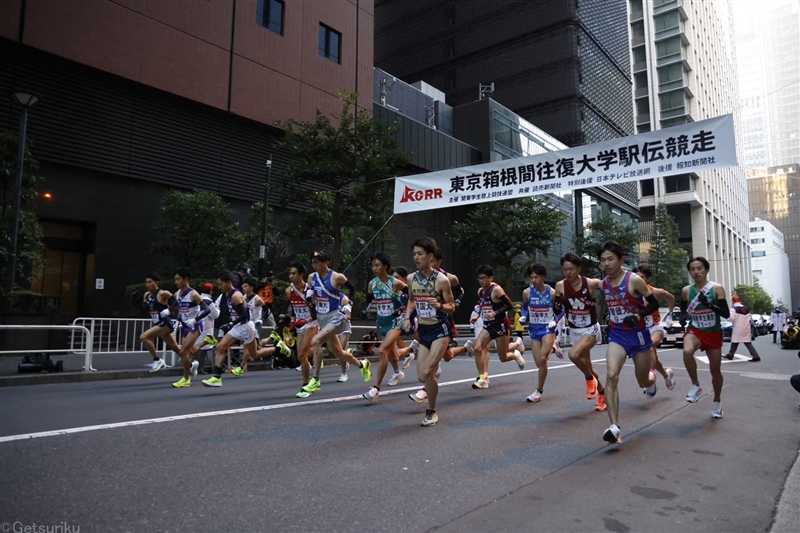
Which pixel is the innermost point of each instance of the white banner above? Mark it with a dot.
(692, 147)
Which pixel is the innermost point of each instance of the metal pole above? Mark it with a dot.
(12, 258)
(262, 251)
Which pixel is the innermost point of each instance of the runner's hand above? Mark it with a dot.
(630, 321)
(552, 325)
(190, 323)
(523, 319)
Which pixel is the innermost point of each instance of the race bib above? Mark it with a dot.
(384, 307)
(583, 320)
(704, 318)
(154, 317)
(540, 315)
(424, 306)
(485, 310)
(302, 312)
(617, 314)
(323, 305)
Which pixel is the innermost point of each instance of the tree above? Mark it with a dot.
(30, 235)
(596, 234)
(755, 298)
(504, 230)
(198, 230)
(279, 248)
(667, 258)
(349, 155)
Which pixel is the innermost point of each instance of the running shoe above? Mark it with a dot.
(396, 377)
(652, 389)
(182, 383)
(694, 393)
(157, 365)
(558, 351)
(285, 350)
(414, 345)
(366, 370)
(519, 342)
(371, 394)
(419, 396)
(481, 384)
(275, 337)
(535, 397)
(195, 367)
(591, 389)
(213, 381)
(438, 373)
(520, 359)
(612, 435)
(431, 418)
(343, 378)
(313, 386)
(238, 372)
(669, 381)
(302, 394)
(469, 346)
(407, 361)
(210, 340)
(716, 410)
(601, 403)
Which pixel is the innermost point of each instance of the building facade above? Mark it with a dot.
(684, 69)
(774, 196)
(770, 262)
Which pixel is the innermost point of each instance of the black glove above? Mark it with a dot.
(225, 328)
(703, 299)
(630, 321)
(682, 320)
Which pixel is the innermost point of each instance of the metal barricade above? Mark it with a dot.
(87, 334)
(118, 335)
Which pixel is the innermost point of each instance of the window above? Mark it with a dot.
(636, 6)
(757, 241)
(640, 80)
(678, 183)
(639, 54)
(269, 14)
(667, 21)
(671, 73)
(761, 253)
(330, 42)
(673, 100)
(637, 29)
(648, 188)
(642, 106)
(668, 47)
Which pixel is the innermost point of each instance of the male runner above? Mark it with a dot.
(537, 310)
(344, 336)
(432, 299)
(657, 329)
(629, 301)
(193, 309)
(206, 341)
(255, 307)
(576, 294)
(305, 318)
(408, 353)
(157, 303)
(704, 301)
(494, 304)
(326, 296)
(240, 328)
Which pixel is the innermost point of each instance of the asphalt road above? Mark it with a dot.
(138, 455)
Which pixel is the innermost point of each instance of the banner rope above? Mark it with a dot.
(368, 243)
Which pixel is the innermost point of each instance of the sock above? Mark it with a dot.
(482, 376)
(360, 364)
(590, 379)
(218, 372)
(377, 387)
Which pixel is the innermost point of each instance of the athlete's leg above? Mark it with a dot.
(388, 352)
(615, 359)
(427, 362)
(344, 340)
(541, 355)
(715, 366)
(147, 339)
(690, 345)
(481, 351)
(186, 352)
(657, 337)
(581, 355)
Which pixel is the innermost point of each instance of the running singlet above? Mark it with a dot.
(385, 300)
(540, 306)
(155, 307)
(701, 317)
(487, 306)
(255, 310)
(327, 298)
(581, 311)
(234, 315)
(655, 318)
(298, 301)
(188, 309)
(424, 292)
(621, 304)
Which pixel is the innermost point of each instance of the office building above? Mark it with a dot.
(770, 262)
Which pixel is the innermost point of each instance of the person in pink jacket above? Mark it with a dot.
(740, 316)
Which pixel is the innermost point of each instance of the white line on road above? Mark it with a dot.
(68, 431)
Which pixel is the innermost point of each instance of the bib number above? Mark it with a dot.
(302, 312)
(322, 304)
(154, 317)
(425, 309)
(704, 320)
(617, 314)
(385, 308)
(540, 315)
(580, 321)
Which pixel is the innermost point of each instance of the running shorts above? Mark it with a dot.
(244, 333)
(709, 340)
(334, 318)
(632, 341)
(655, 329)
(539, 331)
(497, 328)
(575, 334)
(428, 333)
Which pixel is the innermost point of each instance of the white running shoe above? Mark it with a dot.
(694, 393)
(559, 352)
(299, 368)
(520, 359)
(480, 384)
(414, 345)
(419, 396)
(612, 435)
(342, 378)
(371, 394)
(518, 341)
(468, 345)
(195, 366)
(157, 365)
(535, 397)
(669, 381)
(407, 361)
(438, 371)
(396, 377)
(716, 410)
(652, 389)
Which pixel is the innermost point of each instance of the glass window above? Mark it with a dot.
(648, 187)
(671, 73)
(636, 5)
(672, 100)
(761, 253)
(637, 29)
(640, 80)
(667, 21)
(330, 42)
(657, 3)
(639, 54)
(642, 106)
(668, 47)
(678, 183)
(269, 13)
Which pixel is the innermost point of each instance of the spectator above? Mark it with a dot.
(778, 319)
(266, 290)
(740, 316)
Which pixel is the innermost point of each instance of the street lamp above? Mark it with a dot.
(262, 251)
(26, 100)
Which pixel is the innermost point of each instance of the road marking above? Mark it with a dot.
(737, 359)
(176, 418)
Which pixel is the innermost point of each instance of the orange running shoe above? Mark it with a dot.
(601, 403)
(591, 389)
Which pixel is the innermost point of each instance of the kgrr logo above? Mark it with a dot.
(415, 195)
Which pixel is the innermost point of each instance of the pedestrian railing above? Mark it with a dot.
(82, 331)
(116, 335)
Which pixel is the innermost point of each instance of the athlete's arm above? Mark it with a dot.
(351, 289)
(661, 294)
(241, 309)
(720, 303)
(500, 296)
(637, 287)
(443, 286)
(205, 310)
(410, 306)
(561, 311)
(523, 312)
(684, 305)
(458, 290)
(370, 297)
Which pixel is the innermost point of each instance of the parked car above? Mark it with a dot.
(727, 329)
(760, 324)
(769, 323)
(675, 332)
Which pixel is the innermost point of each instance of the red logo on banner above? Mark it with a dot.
(414, 195)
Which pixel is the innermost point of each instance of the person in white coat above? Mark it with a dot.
(740, 316)
(778, 319)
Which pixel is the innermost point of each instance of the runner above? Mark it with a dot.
(206, 341)
(408, 353)
(344, 336)
(704, 307)
(157, 302)
(537, 310)
(193, 309)
(326, 294)
(432, 299)
(305, 320)
(657, 329)
(576, 294)
(255, 307)
(384, 294)
(458, 293)
(240, 328)
(494, 304)
(629, 301)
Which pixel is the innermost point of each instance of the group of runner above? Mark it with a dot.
(418, 307)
